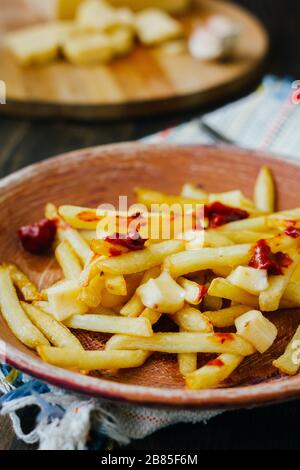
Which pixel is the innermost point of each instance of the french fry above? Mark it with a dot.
(15, 316)
(115, 284)
(149, 197)
(109, 324)
(91, 295)
(79, 245)
(162, 294)
(214, 372)
(233, 198)
(191, 191)
(88, 235)
(226, 317)
(184, 343)
(296, 275)
(92, 360)
(23, 283)
(287, 214)
(246, 236)
(55, 332)
(82, 218)
(134, 307)
(193, 290)
(152, 315)
(110, 300)
(289, 362)
(186, 262)
(43, 305)
(264, 191)
(215, 239)
(187, 363)
(107, 249)
(255, 224)
(139, 261)
(51, 212)
(282, 243)
(269, 299)
(221, 271)
(211, 302)
(292, 293)
(90, 271)
(190, 319)
(222, 288)
(68, 261)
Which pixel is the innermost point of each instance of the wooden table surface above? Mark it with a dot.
(23, 142)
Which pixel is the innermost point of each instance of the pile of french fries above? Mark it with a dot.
(202, 281)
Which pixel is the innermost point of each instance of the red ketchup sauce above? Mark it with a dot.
(38, 237)
(88, 216)
(263, 258)
(223, 337)
(219, 214)
(216, 362)
(291, 230)
(133, 242)
(202, 292)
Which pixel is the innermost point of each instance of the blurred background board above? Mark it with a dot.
(146, 82)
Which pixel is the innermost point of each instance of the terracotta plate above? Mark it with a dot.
(100, 175)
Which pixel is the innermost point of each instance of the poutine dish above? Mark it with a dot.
(215, 265)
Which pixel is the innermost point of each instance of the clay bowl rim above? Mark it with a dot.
(282, 389)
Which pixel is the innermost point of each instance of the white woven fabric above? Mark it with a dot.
(273, 129)
(120, 422)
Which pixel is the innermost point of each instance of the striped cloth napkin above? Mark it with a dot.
(267, 120)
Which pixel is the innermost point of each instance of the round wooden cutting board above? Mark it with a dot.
(145, 83)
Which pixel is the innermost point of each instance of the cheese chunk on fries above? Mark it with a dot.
(164, 291)
(162, 294)
(64, 300)
(250, 279)
(256, 329)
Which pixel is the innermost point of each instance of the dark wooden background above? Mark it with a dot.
(24, 141)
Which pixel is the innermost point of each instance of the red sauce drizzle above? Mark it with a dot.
(115, 252)
(87, 216)
(223, 337)
(133, 242)
(291, 230)
(263, 258)
(202, 292)
(219, 214)
(38, 237)
(216, 362)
